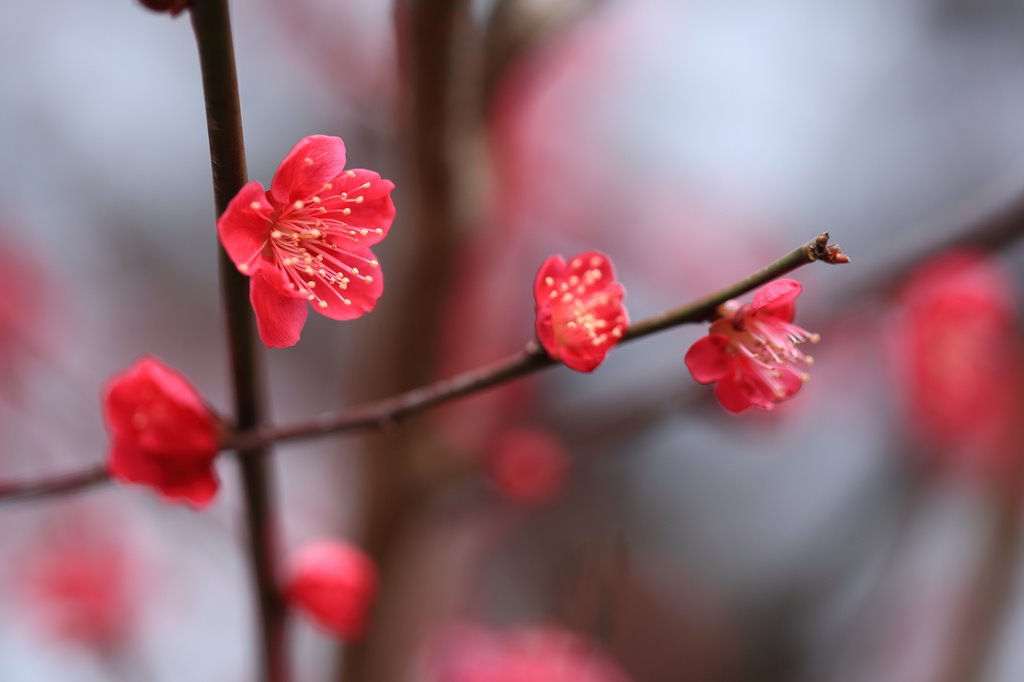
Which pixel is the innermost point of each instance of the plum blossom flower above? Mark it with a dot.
(308, 239)
(956, 347)
(524, 654)
(162, 434)
(752, 351)
(334, 584)
(580, 314)
(527, 465)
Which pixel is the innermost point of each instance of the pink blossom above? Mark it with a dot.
(957, 350)
(162, 434)
(527, 465)
(334, 584)
(752, 351)
(580, 314)
(81, 585)
(524, 654)
(308, 239)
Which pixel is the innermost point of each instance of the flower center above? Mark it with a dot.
(304, 239)
(582, 311)
(770, 344)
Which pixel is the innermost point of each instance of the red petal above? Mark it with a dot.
(128, 463)
(708, 359)
(243, 229)
(732, 395)
(580, 361)
(334, 583)
(791, 379)
(362, 295)
(777, 299)
(315, 160)
(197, 487)
(553, 267)
(375, 211)
(279, 319)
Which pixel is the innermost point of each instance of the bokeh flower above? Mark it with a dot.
(523, 654)
(81, 583)
(334, 584)
(308, 239)
(957, 350)
(751, 352)
(527, 465)
(580, 314)
(162, 434)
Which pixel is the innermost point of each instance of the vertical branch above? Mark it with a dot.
(433, 41)
(212, 26)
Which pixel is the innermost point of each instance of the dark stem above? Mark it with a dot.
(62, 484)
(387, 412)
(212, 26)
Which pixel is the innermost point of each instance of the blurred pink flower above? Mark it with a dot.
(334, 584)
(751, 351)
(527, 465)
(308, 239)
(580, 314)
(957, 349)
(162, 434)
(81, 585)
(524, 654)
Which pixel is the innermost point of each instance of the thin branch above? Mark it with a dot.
(62, 484)
(212, 25)
(388, 411)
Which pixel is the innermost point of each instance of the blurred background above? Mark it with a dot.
(867, 530)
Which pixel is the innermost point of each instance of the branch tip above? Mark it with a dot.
(820, 249)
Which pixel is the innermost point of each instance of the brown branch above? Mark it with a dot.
(212, 25)
(387, 412)
(62, 484)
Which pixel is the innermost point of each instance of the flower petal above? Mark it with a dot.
(553, 268)
(279, 319)
(708, 359)
(777, 299)
(370, 210)
(733, 395)
(361, 291)
(792, 381)
(198, 487)
(244, 227)
(313, 161)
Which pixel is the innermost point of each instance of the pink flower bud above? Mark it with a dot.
(334, 584)
(162, 434)
(580, 315)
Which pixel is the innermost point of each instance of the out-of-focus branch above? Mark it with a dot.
(212, 25)
(62, 484)
(990, 590)
(437, 50)
(515, 29)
